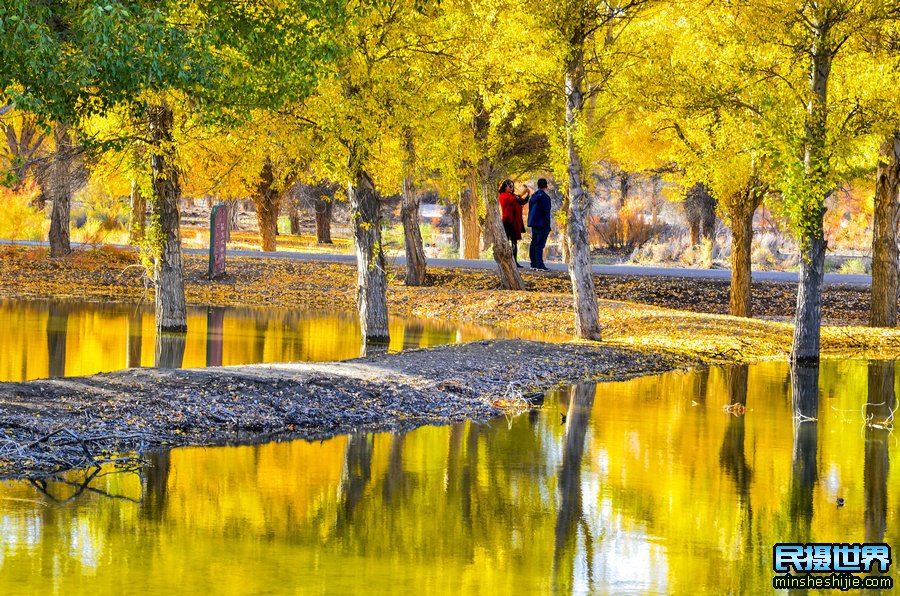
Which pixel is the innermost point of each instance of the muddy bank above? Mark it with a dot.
(52, 425)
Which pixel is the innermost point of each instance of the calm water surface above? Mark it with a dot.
(648, 487)
(40, 339)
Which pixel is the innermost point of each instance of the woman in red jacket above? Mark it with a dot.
(511, 214)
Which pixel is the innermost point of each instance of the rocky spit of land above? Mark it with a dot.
(48, 426)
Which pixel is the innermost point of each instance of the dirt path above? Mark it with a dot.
(98, 416)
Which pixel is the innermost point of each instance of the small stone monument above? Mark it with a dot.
(218, 234)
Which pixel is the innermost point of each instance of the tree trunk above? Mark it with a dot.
(455, 226)
(324, 207)
(487, 238)
(695, 232)
(233, 212)
(138, 215)
(741, 239)
(624, 180)
(294, 218)
(743, 206)
(587, 322)
(656, 184)
(168, 265)
(708, 222)
(565, 248)
(371, 284)
(469, 230)
(700, 212)
(509, 273)
(409, 215)
(807, 322)
(884, 235)
(61, 187)
(267, 200)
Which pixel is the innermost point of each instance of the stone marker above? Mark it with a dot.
(218, 232)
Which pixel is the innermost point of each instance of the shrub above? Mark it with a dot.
(391, 235)
(855, 266)
(113, 212)
(448, 252)
(665, 249)
(626, 230)
(765, 252)
(676, 248)
(429, 233)
(18, 219)
(97, 232)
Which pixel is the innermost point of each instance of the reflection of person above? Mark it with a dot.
(511, 214)
(539, 222)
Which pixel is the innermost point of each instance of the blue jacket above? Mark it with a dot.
(539, 211)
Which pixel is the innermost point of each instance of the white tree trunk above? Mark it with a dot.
(371, 266)
(587, 322)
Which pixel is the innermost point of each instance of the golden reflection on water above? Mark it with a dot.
(645, 486)
(40, 339)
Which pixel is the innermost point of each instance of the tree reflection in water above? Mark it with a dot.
(133, 345)
(469, 474)
(565, 551)
(355, 478)
(731, 455)
(370, 349)
(804, 471)
(169, 350)
(645, 493)
(62, 489)
(412, 335)
(395, 479)
(155, 485)
(879, 422)
(57, 328)
(55, 338)
(215, 320)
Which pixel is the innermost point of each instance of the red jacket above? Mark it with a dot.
(511, 210)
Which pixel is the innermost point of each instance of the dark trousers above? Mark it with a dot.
(538, 242)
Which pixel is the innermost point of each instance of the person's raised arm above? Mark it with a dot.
(523, 198)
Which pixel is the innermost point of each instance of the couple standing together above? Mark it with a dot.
(538, 219)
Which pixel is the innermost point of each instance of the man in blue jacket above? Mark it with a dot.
(539, 222)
